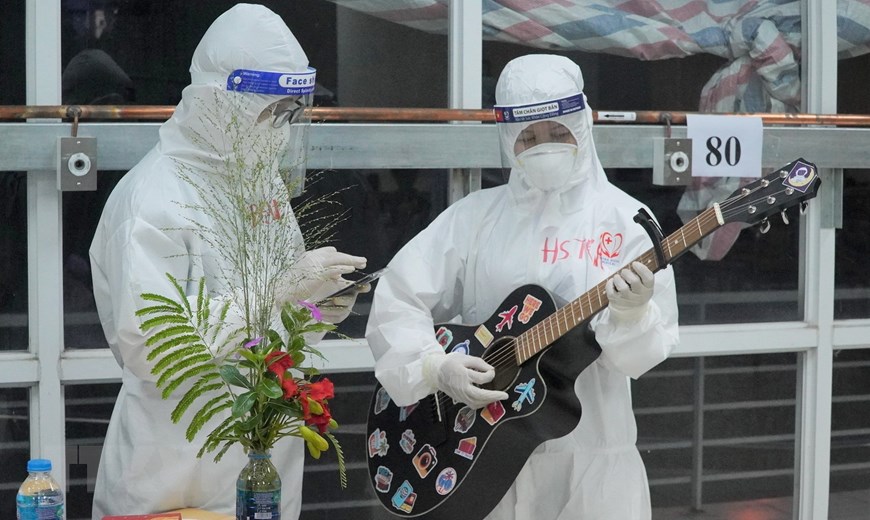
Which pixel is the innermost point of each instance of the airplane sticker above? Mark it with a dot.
(527, 394)
(507, 319)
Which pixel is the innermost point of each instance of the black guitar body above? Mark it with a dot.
(448, 461)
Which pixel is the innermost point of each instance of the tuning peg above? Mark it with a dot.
(784, 217)
(765, 226)
(803, 207)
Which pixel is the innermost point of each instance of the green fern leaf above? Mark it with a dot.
(205, 415)
(175, 342)
(200, 298)
(192, 395)
(166, 319)
(176, 355)
(168, 332)
(220, 454)
(187, 362)
(181, 294)
(159, 309)
(151, 297)
(342, 469)
(216, 436)
(159, 351)
(195, 371)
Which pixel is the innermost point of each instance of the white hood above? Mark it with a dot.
(539, 78)
(247, 36)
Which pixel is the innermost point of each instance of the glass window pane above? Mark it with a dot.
(14, 445)
(81, 213)
(151, 67)
(13, 190)
(850, 435)
(852, 297)
(746, 421)
(12, 84)
(384, 209)
(88, 409)
(13, 258)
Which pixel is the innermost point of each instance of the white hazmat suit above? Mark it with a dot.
(147, 465)
(565, 236)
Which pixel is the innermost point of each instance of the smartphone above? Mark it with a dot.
(356, 284)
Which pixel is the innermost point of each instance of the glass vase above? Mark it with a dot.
(258, 490)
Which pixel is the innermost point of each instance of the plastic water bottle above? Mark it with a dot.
(40, 496)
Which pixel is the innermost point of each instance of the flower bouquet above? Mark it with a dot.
(231, 343)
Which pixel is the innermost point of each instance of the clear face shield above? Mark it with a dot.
(287, 118)
(538, 142)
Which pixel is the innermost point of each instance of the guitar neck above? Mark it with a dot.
(591, 302)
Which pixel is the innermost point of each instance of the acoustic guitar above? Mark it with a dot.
(439, 459)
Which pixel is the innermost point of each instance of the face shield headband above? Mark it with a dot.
(546, 126)
(288, 114)
(537, 111)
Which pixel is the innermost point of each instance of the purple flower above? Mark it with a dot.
(315, 312)
(253, 343)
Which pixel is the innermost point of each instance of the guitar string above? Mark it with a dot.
(503, 359)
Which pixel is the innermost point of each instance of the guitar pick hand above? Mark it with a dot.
(629, 291)
(456, 375)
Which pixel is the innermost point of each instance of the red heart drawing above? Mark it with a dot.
(610, 244)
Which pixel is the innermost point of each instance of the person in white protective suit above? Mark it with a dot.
(147, 465)
(560, 224)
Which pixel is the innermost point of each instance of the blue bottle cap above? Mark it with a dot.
(39, 465)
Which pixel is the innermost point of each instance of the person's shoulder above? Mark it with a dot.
(143, 193)
(479, 199)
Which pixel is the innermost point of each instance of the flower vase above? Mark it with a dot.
(258, 490)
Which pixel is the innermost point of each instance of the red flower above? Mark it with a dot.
(321, 390)
(278, 363)
(290, 388)
(321, 420)
(318, 392)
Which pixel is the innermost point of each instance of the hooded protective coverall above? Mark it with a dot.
(565, 239)
(147, 465)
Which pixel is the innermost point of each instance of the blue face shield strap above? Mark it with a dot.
(272, 83)
(537, 111)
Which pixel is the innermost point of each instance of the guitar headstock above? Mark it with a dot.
(788, 186)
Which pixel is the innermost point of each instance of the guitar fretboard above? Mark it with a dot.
(589, 303)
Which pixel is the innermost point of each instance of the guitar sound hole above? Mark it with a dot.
(500, 355)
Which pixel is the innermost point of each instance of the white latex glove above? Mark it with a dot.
(317, 274)
(629, 292)
(455, 374)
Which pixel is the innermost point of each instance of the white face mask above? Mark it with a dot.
(548, 166)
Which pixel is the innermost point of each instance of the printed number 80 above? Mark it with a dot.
(731, 152)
